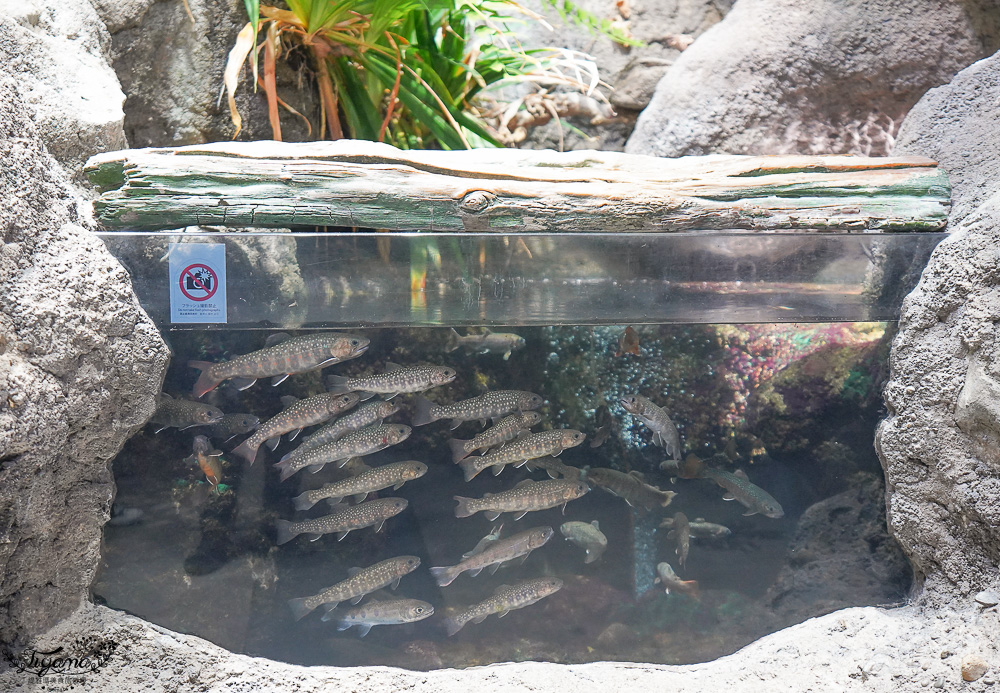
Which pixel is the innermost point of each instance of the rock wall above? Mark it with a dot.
(79, 360)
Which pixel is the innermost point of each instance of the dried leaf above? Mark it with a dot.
(242, 47)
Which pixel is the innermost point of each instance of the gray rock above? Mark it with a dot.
(80, 364)
(831, 77)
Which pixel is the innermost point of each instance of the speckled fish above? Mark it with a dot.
(486, 343)
(738, 487)
(506, 598)
(343, 520)
(362, 581)
(183, 413)
(396, 380)
(493, 554)
(680, 535)
(505, 430)
(528, 447)
(491, 405)
(700, 529)
(283, 356)
(299, 414)
(630, 487)
(207, 459)
(367, 414)
(671, 583)
(381, 613)
(555, 469)
(354, 444)
(233, 425)
(588, 536)
(527, 496)
(376, 479)
(655, 418)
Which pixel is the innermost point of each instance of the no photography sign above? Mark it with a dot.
(197, 282)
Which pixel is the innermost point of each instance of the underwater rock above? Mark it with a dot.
(785, 76)
(81, 367)
(973, 667)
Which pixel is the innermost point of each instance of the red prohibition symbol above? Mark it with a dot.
(199, 279)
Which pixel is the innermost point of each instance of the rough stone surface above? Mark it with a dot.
(79, 364)
(784, 76)
(956, 125)
(57, 51)
(862, 649)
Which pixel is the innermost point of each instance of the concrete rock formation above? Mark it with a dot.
(785, 76)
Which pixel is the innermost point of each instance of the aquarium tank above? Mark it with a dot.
(489, 448)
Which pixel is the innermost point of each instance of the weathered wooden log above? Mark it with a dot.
(365, 184)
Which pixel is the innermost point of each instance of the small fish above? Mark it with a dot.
(183, 413)
(343, 520)
(362, 581)
(365, 415)
(671, 583)
(486, 343)
(376, 479)
(605, 426)
(283, 356)
(738, 487)
(396, 380)
(664, 431)
(588, 537)
(233, 425)
(208, 459)
(505, 598)
(700, 529)
(491, 405)
(355, 444)
(555, 469)
(528, 447)
(630, 487)
(681, 536)
(494, 554)
(301, 413)
(628, 343)
(505, 430)
(527, 496)
(381, 613)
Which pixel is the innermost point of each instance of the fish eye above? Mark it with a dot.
(355, 342)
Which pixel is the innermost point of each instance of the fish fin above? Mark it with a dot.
(299, 607)
(285, 531)
(591, 556)
(276, 338)
(365, 628)
(351, 572)
(595, 525)
(672, 535)
(205, 383)
(302, 501)
(480, 619)
(749, 512)
(315, 536)
(494, 568)
(506, 356)
(504, 586)
(355, 600)
(552, 473)
(364, 396)
(392, 366)
(482, 423)
(341, 535)
(278, 379)
(329, 606)
(463, 509)
(334, 501)
(287, 400)
(455, 423)
(557, 453)
(475, 573)
(728, 497)
(422, 411)
(395, 584)
(668, 497)
(658, 440)
(740, 474)
(245, 451)
(497, 468)
(293, 435)
(344, 625)
(161, 428)
(503, 613)
(452, 625)
(518, 517)
(638, 475)
(468, 466)
(272, 443)
(286, 469)
(316, 468)
(443, 575)
(656, 581)
(360, 497)
(190, 459)
(337, 384)
(394, 488)
(379, 526)
(458, 451)
(242, 383)
(453, 342)
(493, 514)
(216, 453)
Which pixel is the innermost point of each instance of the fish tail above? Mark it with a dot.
(667, 497)
(444, 575)
(300, 607)
(458, 451)
(468, 466)
(206, 383)
(337, 384)
(422, 411)
(454, 341)
(285, 531)
(285, 467)
(247, 450)
(453, 625)
(693, 587)
(463, 509)
(302, 501)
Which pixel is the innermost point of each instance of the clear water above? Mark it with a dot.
(795, 406)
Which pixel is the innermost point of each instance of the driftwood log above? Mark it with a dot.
(364, 184)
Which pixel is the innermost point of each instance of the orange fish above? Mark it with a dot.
(628, 343)
(208, 459)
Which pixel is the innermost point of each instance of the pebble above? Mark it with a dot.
(973, 667)
(988, 597)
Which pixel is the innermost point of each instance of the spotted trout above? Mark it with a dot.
(680, 534)
(283, 356)
(656, 420)
(301, 413)
(362, 581)
(207, 460)
(380, 613)
(375, 479)
(507, 429)
(506, 598)
(396, 380)
(343, 520)
(494, 554)
(490, 405)
(588, 537)
(355, 444)
(528, 447)
(526, 497)
(739, 488)
(630, 487)
(182, 413)
(486, 343)
(367, 414)
(671, 583)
